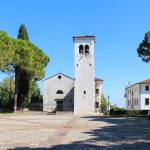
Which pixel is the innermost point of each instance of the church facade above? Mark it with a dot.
(82, 94)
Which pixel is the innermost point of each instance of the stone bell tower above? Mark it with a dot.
(84, 93)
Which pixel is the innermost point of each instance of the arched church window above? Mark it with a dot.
(87, 49)
(81, 49)
(59, 92)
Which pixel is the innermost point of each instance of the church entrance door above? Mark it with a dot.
(59, 105)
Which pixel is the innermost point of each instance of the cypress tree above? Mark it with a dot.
(22, 33)
(23, 77)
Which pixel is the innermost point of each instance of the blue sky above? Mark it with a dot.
(119, 27)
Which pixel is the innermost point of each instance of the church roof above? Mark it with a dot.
(59, 74)
(96, 79)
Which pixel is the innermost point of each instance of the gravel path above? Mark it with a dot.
(73, 133)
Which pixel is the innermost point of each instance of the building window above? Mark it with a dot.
(146, 88)
(86, 49)
(96, 104)
(84, 92)
(59, 77)
(97, 91)
(59, 92)
(134, 101)
(146, 101)
(132, 92)
(81, 49)
(128, 102)
(137, 102)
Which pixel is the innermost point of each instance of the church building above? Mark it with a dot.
(81, 94)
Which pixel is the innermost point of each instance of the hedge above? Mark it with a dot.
(129, 113)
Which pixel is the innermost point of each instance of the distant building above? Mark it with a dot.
(137, 96)
(82, 94)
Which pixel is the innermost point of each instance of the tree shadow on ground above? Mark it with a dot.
(119, 134)
(120, 129)
(131, 133)
(136, 146)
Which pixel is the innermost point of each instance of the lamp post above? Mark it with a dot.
(108, 106)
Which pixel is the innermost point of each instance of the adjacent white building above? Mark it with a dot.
(82, 94)
(137, 96)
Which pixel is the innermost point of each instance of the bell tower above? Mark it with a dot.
(84, 93)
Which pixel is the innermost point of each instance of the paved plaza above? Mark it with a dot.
(40, 131)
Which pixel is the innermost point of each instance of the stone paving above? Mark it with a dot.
(30, 131)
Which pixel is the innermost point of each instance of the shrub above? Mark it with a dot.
(129, 113)
(119, 112)
(132, 113)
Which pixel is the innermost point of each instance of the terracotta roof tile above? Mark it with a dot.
(142, 82)
(145, 81)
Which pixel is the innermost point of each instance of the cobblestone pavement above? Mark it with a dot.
(30, 131)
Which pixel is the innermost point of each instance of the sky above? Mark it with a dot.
(119, 27)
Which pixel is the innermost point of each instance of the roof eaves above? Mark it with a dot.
(58, 74)
(84, 36)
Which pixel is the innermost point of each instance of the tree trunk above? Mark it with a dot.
(16, 89)
(23, 88)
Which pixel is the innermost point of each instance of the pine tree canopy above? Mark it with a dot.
(22, 53)
(144, 48)
(22, 33)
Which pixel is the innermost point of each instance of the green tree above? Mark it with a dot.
(104, 104)
(7, 90)
(22, 33)
(34, 92)
(6, 53)
(144, 48)
(24, 78)
(115, 107)
(18, 53)
(28, 88)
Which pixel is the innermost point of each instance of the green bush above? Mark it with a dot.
(128, 113)
(134, 113)
(143, 112)
(119, 112)
(106, 112)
